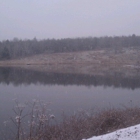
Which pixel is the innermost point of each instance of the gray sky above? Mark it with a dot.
(68, 18)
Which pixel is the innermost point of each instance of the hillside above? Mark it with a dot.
(105, 56)
(84, 62)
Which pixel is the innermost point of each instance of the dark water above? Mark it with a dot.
(66, 92)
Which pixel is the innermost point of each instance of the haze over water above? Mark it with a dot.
(66, 92)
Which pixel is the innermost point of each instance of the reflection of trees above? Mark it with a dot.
(4, 75)
(19, 76)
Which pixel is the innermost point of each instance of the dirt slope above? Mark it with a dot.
(125, 56)
(88, 62)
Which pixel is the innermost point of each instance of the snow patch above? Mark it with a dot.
(130, 133)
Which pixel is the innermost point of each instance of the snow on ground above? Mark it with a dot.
(130, 133)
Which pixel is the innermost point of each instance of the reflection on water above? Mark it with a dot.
(66, 92)
(18, 76)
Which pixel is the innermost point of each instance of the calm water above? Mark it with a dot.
(66, 92)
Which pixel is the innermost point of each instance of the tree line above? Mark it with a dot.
(10, 49)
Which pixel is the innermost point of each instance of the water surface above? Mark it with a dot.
(66, 91)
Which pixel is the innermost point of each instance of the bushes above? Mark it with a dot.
(43, 126)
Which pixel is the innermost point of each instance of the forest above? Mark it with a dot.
(17, 48)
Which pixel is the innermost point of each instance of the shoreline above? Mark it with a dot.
(88, 69)
(80, 126)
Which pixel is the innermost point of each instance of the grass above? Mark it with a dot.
(44, 126)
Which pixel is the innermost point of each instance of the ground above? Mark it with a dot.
(130, 133)
(84, 62)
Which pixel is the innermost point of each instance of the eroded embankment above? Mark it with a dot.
(87, 62)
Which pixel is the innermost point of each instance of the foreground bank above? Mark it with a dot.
(38, 124)
(130, 133)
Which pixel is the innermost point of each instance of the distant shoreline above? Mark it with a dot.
(84, 58)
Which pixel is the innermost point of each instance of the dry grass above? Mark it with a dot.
(97, 62)
(105, 56)
(83, 124)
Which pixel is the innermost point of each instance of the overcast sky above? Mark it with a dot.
(68, 18)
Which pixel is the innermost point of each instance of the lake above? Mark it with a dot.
(67, 92)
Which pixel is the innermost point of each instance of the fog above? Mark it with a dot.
(68, 18)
